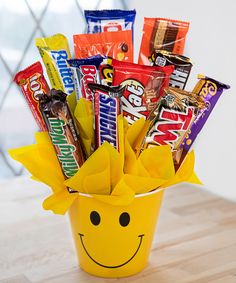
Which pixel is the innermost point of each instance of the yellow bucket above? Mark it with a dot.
(114, 241)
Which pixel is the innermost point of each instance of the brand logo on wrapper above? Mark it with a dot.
(171, 123)
(132, 101)
(65, 72)
(89, 75)
(66, 154)
(209, 88)
(35, 87)
(107, 119)
(112, 25)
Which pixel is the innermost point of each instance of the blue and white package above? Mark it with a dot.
(109, 20)
(85, 71)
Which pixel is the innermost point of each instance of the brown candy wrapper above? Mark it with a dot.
(62, 131)
(162, 34)
(182, 66)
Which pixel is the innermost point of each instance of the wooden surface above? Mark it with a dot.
(195, 241)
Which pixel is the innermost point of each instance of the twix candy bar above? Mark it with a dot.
(33, 85)
(162, 34)
(55, 52)
(172, 118)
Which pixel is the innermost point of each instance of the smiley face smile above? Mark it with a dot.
(108, 266)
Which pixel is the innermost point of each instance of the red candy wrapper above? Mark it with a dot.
(33, 85)
(169, 122)
(107, 108)
(162, 34)
(117, 44)
(144, 86)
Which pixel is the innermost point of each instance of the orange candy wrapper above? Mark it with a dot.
(117, 45)
(162, 34)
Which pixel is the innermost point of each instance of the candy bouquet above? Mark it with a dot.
(114, 134)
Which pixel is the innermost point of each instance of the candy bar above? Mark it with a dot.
(117, 45)
(62, 131)
(106, 71)
(54, 51)
(33, 85)
(144, 85)
(107, 108)
(182, 66)
(162, 34)
(109, 20)
(172, 118)
(85, 71)
(210, 91)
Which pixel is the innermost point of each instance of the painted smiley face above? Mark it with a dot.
(114, 240)
(124, 221)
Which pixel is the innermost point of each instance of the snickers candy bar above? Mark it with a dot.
(107, 108)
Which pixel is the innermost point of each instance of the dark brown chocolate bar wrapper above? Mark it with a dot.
(182, 66)
(62, 131)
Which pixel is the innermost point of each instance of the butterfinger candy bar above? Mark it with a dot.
(144, 86)
(182, 66)
(62, 131)
(162, 34)
(117, 44)
(85, 71)
(107, 108)
(210, 91)
(172, 118)
(33, 85)
(55, 52)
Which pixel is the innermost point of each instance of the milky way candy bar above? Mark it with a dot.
(182, 66)
(62, 131)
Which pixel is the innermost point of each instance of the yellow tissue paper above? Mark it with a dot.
(107, 175)
(84, 117)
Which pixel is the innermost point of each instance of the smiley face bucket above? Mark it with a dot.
(114, 241)
(115, 204)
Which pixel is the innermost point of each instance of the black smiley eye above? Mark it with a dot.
(124, 219)
(95, 218)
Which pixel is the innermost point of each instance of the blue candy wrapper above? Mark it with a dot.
(109, 20)
(85, 71)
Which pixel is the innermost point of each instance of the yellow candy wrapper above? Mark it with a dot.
(54, 51)
(108, 175)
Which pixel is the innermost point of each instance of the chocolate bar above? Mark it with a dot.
(182, 66)
(62, 131)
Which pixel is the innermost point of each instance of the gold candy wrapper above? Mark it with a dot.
(170, 120)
